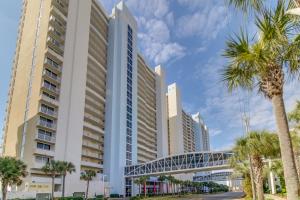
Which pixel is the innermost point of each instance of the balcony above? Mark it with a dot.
(52, 65)
(48, 125)
(39, 165)
(62, 7)
(97, 147)
(57, 21)
(91, 155)
(45, 137)
(49, 112)
(55, 46)
(50, 152)
(49, 100)
(51, 76)
(51, 88)
(91, 164)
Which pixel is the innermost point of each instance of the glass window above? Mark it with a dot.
(43, 146)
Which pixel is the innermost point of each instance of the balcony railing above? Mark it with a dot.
(53, 64)
(51, 88)
(50, 75)
(90, 154)
(48, 111)
(47, 124)
(44, 137)
(50, 152)
(49, 100)
(60, 6)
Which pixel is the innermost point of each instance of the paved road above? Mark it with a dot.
(228, 195)
(222, 196)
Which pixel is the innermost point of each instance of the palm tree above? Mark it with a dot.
(278, 169)
(11, 173)
(247, 5)
(257, 145)
(261, 63)
(171, 180)
(139, 183)
(64, 169)
(294, 115)
(52, 169)
(143, 180)
(88, 175)
(161, 180)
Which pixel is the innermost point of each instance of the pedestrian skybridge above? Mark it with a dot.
(183, 163)
(218, 176)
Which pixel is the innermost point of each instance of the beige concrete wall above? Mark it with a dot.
(175, 120)
(147, 124)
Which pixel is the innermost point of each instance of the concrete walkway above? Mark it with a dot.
(274, 197)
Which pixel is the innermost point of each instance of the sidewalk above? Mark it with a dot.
(274, 197)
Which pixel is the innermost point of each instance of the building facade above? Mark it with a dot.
(81, 92)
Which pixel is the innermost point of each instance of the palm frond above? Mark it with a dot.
(247, 5)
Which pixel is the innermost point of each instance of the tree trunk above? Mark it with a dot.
(52, 188)
(139, 189)
(145, 189)
(258, 176)
(297, 163)
(287, 155)
(168, 188)
(4, 191)
(252, 180)
(63, 185)
(87, 190)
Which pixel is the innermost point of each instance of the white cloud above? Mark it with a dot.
(154, 35)
(214, 132)
(153, 8)
(223, 111)
(207, 21)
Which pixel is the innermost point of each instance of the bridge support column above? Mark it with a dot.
(230, 185)
(272, 179)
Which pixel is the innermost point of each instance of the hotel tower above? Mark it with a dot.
(81, 92)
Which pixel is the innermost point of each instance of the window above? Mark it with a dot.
(129, 95)
(52, 62)
(129, 124)
(43, 132)
(47, 109)
(49, 95)
(129, 73)
(43, 146)
(42, 159)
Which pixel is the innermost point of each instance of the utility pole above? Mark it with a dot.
(247, 130)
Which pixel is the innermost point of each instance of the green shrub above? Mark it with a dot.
(70, 198)
(114, 195)
(135, 198)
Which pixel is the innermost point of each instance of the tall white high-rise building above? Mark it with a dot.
(81, 92)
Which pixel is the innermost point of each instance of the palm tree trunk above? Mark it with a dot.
(145, 189)
(287, 155)
(63, 186)
(87, 190)
(297, 163)
(139, 189)
(258, 176)
(4, 191)
(52, 188)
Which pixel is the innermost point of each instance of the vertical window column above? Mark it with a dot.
(129, 98)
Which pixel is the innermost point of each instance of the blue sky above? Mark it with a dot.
(187, 37)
